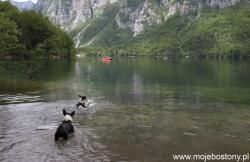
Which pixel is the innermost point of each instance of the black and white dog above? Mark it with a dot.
(83, 101)
(66, 126)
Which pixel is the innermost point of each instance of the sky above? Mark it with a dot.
(25, 1)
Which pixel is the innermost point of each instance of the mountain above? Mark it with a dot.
(109, 23)
(23, 5)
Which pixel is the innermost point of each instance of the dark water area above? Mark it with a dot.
(146, 109)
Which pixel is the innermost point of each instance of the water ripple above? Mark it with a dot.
(19, 98)
(27, 134)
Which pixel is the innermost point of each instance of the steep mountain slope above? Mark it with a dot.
(216, 33)
(69, 14)
(88, 20)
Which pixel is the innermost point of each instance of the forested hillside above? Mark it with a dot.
(213, 28)
(215, 33)
(29, 34)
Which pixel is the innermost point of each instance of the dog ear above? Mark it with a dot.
(80, 96)
(72, 114)
(64, 112)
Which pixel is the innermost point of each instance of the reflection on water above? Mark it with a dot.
(145, 109)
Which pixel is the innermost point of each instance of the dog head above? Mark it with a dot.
(82, 97)
(68, 116)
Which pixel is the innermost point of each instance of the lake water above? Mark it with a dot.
(146, 109)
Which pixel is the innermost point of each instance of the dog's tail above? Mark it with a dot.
(88, 104)
(60, 133)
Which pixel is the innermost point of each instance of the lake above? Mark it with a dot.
(146, 109)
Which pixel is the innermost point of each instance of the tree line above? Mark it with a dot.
(215, 33)
(28, 34)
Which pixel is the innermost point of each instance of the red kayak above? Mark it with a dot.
(106, 59)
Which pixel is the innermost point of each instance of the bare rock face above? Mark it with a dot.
(221, 3)
(138, 18)
(187, 6)
(69, 14)
(66, 13)
(147, 13)
(74, 14)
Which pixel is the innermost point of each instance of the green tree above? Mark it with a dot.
(35, 29)
(59, 44)
(8, 10)
(30, 34)
(9, 36)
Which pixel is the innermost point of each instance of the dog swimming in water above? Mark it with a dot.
(84, 102)
(66, 126)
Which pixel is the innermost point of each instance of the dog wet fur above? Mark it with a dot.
(65, 128)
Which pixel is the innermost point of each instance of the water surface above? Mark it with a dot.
(146, 109)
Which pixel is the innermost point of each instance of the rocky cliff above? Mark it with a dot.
(71, 13)
(89, 20)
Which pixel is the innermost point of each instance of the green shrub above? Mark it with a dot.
(29, 34)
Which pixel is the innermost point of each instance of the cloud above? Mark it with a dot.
(23, 0)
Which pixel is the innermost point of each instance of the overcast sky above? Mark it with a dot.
(26, 0)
